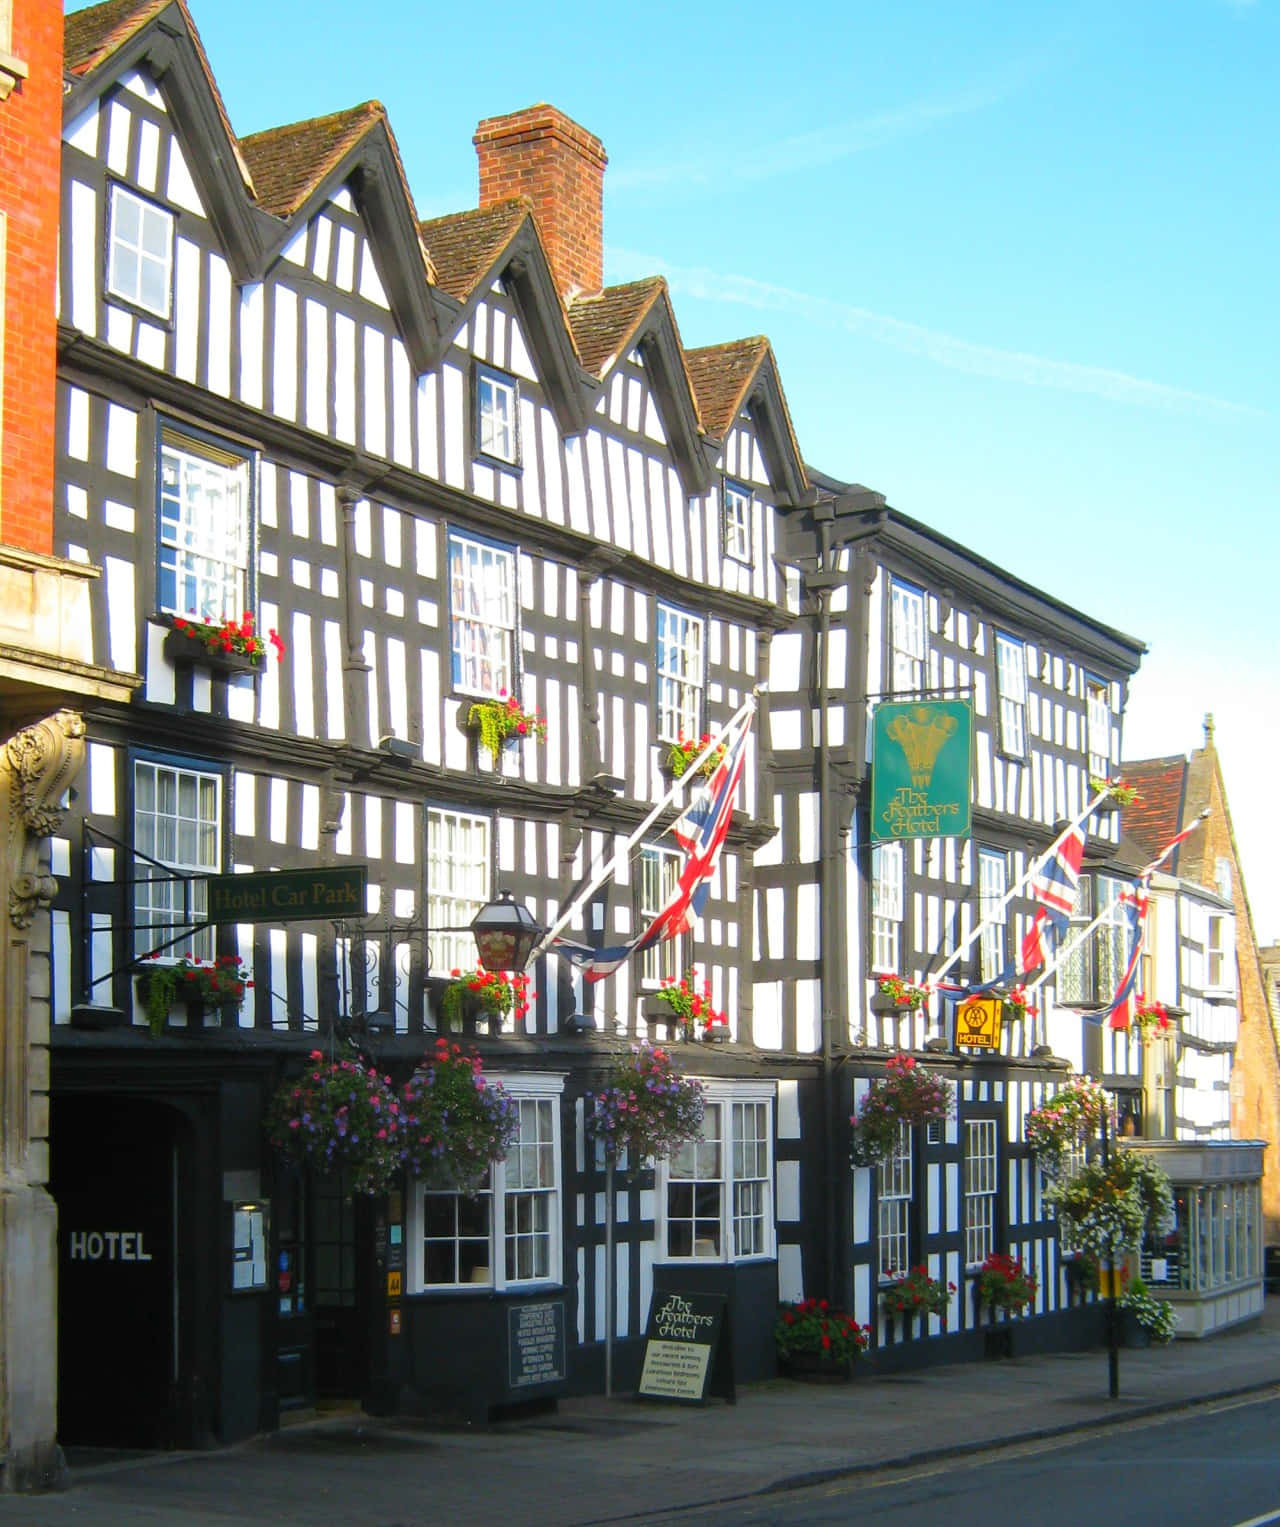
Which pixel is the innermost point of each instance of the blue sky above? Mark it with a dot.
(1018, 262)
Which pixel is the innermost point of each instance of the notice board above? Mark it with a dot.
(684, 1334)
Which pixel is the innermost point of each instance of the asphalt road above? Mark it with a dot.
(1218, 1466)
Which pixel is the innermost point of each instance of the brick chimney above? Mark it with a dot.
(559, 166)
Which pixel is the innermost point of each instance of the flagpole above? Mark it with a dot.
(997, 914)
(1144, 875)
(678, 787)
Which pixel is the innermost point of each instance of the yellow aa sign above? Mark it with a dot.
(978, 1023)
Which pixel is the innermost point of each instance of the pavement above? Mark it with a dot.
(597, 1460)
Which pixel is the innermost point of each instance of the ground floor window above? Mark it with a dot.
(718, 1190)
(893, 1206)
(508, 1231)
(981, 1185)
(1213, 1242)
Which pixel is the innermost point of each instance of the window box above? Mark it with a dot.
(188, 652)
(196, 1012)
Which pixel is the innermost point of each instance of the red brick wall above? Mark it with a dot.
(30, 140)
(541, 154)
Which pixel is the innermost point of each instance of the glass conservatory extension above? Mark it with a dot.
(1210, 1264)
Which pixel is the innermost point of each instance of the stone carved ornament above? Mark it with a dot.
(39, 763)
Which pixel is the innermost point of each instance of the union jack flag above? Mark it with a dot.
(700, 831)
(1133, 903)
(1053, 889)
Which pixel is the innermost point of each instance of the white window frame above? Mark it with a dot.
(185, 837)
(737, 521)
(140, 251)
(505, 1188)
(981, 1189)
(204, 528)
(459, 859)
(993, 883)
(497, 416)
(483, 607)
(894, 1190)
(659, 877)
(908, 638)
(682, 673)
(888, 898)
(1097, 699)
(1011, 686)
(731, 1176)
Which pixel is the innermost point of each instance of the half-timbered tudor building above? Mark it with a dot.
(898, 612)
(446, 464)
(443, 464)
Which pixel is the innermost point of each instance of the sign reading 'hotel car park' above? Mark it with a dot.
(283, 896)
(920, 770)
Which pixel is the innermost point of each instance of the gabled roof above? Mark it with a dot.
(288, 163)
(1156, 816)
(92, 36)
(465, 246)
(605, 326)
(639, 316)
(743, 374)
(89, 36)
(721, 375)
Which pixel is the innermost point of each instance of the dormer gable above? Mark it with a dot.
(298, 166)
(639, 316)
(471, 250)
(259, 191)
(742, 376)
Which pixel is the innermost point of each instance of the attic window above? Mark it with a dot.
(497, 435)
(140, 252)
(737, 522)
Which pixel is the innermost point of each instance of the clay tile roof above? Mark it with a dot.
(720, 375)
(464, 245)
(603, 326)
(88, 36)
(288, 162)
(1156, 816)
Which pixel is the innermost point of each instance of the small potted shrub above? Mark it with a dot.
(814, 1340)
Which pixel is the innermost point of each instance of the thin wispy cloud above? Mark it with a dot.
(914, 339)
(821, 145)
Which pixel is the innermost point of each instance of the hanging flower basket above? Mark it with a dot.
(484, 994)
(454, 1123)
(1004, 1284)
(1107, 1210)
(646, 1107)
(503, 721)
(1065, 1121)
(196, 985)
(906, 1094)
(338, 1115)
(894, 994)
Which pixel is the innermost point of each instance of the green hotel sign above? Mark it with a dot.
(287, 896)
(920, 769)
